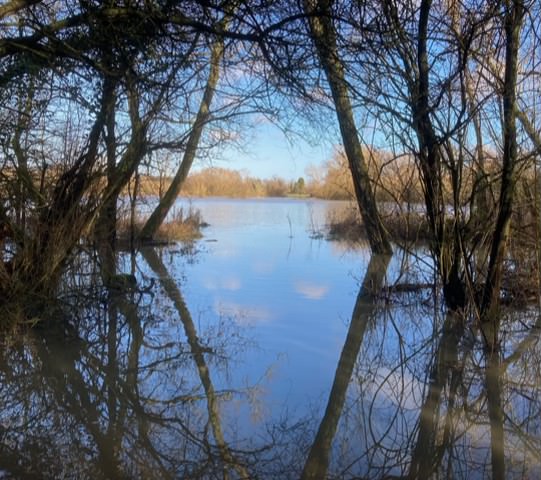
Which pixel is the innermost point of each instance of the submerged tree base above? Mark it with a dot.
(347, 225)
(410, 228)
(183, 226)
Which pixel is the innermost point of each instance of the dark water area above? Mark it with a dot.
(263, 351)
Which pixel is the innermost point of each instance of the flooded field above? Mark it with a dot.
(265, 351)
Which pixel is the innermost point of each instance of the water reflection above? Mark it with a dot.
(440, 406)
(318, 459)
(117, 399)
(194, 371)
(198, 352)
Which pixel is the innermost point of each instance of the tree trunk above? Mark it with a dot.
(493, 381)
(119, 177)
(445, 243)
(491, 293)
(324, 36)
(166, 202)
(62, 221)
(105, 229)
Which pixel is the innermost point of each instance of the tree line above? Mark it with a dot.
(225, 182)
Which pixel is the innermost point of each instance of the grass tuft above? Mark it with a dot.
(182, 225)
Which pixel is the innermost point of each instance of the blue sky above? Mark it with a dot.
(267, 152)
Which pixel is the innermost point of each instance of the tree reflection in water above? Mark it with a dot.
(117, 399)
(127, 394)
(441, 405)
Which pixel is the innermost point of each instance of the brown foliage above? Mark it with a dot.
(394, 179)
(182, 225)
(219, 182)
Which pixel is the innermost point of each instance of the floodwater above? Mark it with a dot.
(265, 351)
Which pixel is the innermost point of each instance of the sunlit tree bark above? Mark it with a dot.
(324, 36)
(13, 6)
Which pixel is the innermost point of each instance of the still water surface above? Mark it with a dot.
(221, 363)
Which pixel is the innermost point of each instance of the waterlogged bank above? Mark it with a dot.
(224, 356)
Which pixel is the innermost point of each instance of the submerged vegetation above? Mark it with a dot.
(404, 227)
(181, 225)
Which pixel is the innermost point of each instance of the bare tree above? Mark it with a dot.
(203, 116)
(324, 36)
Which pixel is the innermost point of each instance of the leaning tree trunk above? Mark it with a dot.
(62, 221)
(324, 36)
(160, 212)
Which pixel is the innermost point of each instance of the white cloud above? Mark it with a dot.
(311, 290)
(243, 314)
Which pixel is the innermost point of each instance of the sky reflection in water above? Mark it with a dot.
(226, 365)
